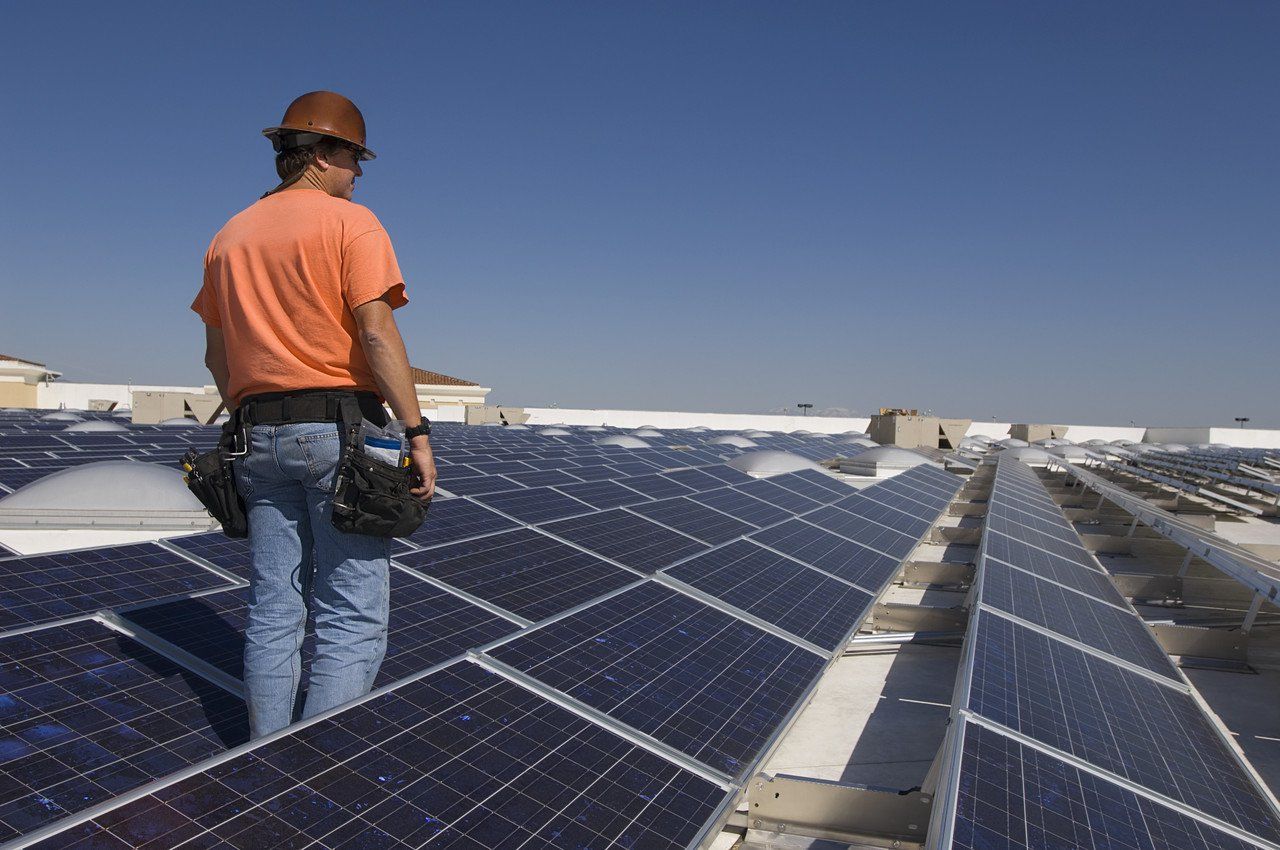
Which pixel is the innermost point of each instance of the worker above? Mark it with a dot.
(297, 304)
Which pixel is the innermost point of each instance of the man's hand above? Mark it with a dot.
(424, 464)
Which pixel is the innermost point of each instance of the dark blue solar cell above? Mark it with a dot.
(726, 473)
(695, 678)
(209, 627)
(627, 539)
(779, 496)
(603, 494)
(535, 505)
(1120, 721)
(88, 713)
(864, 531)
(831, 553)
(450, 520)
(694, 479)
(461, 758)
(694, 519)
(44, 588)
(629, 467)
(597, 472)
(1111, 630)
(741, 506)
(657, 486)
(522, 571)
(805, 602)
(474, 485)
(31, 442)
(498, 467)
(810, 489)
(824, 480)
(912, 523)
(1073, 574)
(1011, 796)
(543, 478)
(228, 553)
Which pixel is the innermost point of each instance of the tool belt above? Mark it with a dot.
(370, 496)
(210, 478)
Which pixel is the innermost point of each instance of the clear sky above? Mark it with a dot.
(1030, 211)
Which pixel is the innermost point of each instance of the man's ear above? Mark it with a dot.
(321, 161)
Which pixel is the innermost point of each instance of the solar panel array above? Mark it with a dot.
(589, 646)
(1071, 726)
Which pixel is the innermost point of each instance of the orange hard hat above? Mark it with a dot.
(316, 114)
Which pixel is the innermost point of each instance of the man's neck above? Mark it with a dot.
(311, 179)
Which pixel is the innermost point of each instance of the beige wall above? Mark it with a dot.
(15, 394)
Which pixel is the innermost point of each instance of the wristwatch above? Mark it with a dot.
(421, 430)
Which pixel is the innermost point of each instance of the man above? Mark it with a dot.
(297, 299)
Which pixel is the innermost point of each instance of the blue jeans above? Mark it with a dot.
(298, 556)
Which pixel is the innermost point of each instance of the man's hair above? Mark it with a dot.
(292, 161)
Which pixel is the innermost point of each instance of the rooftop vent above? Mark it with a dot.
(882, 461)
(96, 426)
(626, 441)
(106, 494)
(770, 462)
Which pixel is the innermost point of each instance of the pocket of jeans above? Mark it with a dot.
(321, 452)
(244, 481)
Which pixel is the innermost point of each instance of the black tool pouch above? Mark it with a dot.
(372, 497)
(210, 478)
(369, 496)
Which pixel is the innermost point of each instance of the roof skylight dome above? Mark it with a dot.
(1031, 455)
(858, 441)
(61, 416)
(96, 426)
(178, 422)
(626, 441)
(768, 462)
(1175, 447)
(740, 442)
(553, 431)
(646, 432)
(1122, 442)
(883, 460)
(1013, 443)
(106, 494)
(595, 429)
(1071, 453)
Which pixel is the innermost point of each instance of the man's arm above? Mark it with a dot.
(384, 348)
(215, 358)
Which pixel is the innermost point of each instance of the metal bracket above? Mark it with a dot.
(1145, 587)
(816, 808)
(928, 573)
(902, 617)
(1201, 642)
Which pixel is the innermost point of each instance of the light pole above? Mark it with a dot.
(1242, 420)
(804, 408)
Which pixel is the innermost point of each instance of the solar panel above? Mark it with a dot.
(822, 479)
(779, 496)
(693, 677)
(831, 553)
(535, 505)
(450, 520)
(474, 485)
(1074, 575)
(603, 494)
(542, 478)
(694, 479)
(864, 531)
(89, 713)
(805, 602)
(209, 627)
(1096, 624)
(521, 571)
(44, 588)
(220, 550)
(657, 486)
(694, 519)
(727, 473)
(1120, 721)
(808, 488)
(913, 522)
(461, 758)
(739, 505)
(1013, 796)
(627, 539)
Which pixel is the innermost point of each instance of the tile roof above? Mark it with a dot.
(22, 360)
(424, 376)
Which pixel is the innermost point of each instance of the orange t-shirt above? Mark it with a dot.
(281, 280)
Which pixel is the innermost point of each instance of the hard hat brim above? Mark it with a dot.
(275, 132)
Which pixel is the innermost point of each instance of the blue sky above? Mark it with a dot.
(1027, 211)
